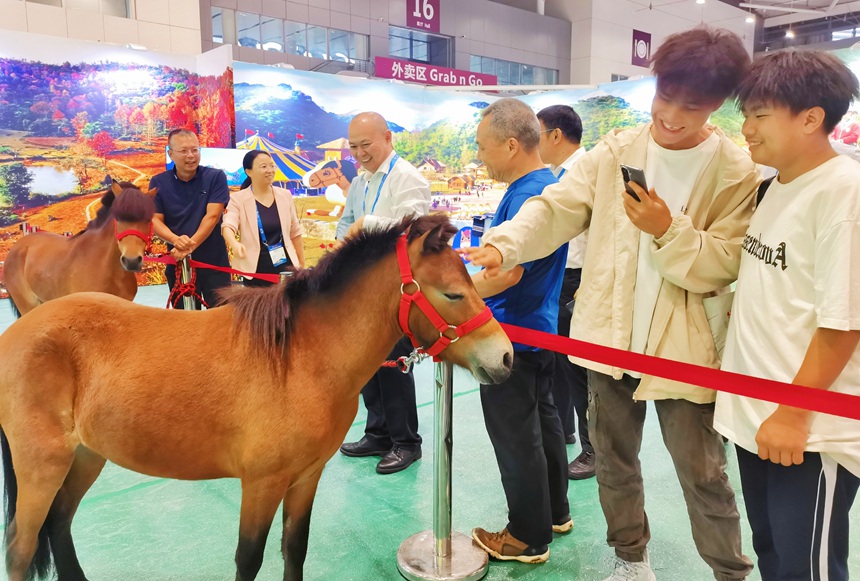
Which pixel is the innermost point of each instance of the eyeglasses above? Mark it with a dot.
(184, 152)
(549, 130)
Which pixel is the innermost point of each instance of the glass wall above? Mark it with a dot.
(413, 45)
(267, 33)
(511, 73)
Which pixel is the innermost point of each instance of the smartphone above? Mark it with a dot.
(633, 174)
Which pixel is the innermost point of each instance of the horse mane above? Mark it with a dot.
(132, 206)
(268, 312)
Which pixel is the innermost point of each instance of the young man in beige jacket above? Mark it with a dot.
(649, 261)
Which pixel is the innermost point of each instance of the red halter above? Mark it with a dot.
(406, 300)
(145, 237)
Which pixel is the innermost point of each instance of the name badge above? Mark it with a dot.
(278, 254)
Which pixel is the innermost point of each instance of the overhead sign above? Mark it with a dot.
(389, 68)
(423, 15)
(641, 48)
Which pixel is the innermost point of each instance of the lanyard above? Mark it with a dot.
(379, 189)
(561, 173)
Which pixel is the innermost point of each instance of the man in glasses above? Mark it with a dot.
(188, 207)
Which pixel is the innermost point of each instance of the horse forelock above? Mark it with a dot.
(134, 206)
(267, 312)
(107, 206)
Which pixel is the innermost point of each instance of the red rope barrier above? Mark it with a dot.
(818, 400)
(829, 402)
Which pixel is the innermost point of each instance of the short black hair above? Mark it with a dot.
(704, 62)
(563, 118)
(800, 80)
(179, 131)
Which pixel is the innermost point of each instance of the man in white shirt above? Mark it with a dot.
(560, 136)
(388, 188)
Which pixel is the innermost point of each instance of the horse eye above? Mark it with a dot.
(454, 297)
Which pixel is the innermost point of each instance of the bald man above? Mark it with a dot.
(388, 188)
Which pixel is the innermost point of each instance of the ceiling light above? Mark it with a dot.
(133, 46)
(750, 19)
(789, 33)
(700, 1)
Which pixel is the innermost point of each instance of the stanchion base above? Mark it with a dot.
(416, 561)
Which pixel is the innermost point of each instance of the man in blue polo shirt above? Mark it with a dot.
(188, 207)
(521, 418)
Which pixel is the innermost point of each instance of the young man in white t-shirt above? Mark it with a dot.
(796, 318)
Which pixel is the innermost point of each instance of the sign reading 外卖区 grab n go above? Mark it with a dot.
(388, 68)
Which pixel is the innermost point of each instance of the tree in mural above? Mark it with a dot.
(15, 183)
(602, 114)
(102, 143)
(730, 121)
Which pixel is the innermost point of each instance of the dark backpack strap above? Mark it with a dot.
(762, 190)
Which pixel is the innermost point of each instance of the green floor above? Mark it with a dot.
(132, 527)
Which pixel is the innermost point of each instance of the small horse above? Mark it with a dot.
(103, 257)
(234, 392)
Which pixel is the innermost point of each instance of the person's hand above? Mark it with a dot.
(782, 437)
(238, 249)
(651, 214)
(179, 254)
(487, 256)
(184, 243)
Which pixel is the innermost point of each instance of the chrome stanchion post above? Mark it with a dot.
(189, 303)
(440, 554)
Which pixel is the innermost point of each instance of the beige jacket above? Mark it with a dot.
(699, 254)
(241, 216)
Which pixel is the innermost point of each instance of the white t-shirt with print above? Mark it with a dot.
(673, 175)
(799, 271)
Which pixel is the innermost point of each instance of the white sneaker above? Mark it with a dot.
(629, 571)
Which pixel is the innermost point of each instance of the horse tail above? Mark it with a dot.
(42, 565)
(15, 311)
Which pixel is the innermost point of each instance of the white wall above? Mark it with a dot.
(602, 31)
(160, 25)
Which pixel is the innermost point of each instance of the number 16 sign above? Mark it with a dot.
(423, 15)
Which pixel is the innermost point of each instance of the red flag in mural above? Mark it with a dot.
(299, 136)
(249, 132)
(271, 135)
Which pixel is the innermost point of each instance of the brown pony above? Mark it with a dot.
(239, 391)
(104, 257)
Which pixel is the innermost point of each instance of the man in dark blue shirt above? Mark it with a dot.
(188, 207)
(521, 418)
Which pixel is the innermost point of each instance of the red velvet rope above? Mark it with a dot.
(829, 402)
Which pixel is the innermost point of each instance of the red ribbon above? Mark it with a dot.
(818, 400)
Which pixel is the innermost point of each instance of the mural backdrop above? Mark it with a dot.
(73, 112)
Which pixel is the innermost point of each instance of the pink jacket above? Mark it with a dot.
(241, 216)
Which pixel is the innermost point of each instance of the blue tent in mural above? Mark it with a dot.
(291, 166)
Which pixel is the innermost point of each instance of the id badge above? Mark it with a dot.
(278, 254)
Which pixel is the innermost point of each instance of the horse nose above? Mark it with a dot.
(508, 361)
(132, 264)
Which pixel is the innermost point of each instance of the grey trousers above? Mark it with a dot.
(615, 426)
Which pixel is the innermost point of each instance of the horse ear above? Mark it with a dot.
(433, 239)
(116, 188)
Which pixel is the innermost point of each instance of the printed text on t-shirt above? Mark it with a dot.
(773, 256)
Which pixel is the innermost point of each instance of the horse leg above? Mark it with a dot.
(85, 469)
(39, 477)
(298, 503)
(260, 500)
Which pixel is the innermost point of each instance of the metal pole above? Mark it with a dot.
(440, 554)
(188, 303)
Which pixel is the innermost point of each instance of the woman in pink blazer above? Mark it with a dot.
(264, 218)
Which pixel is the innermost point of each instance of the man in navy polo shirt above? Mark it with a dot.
(521, 418)
(188, 206)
